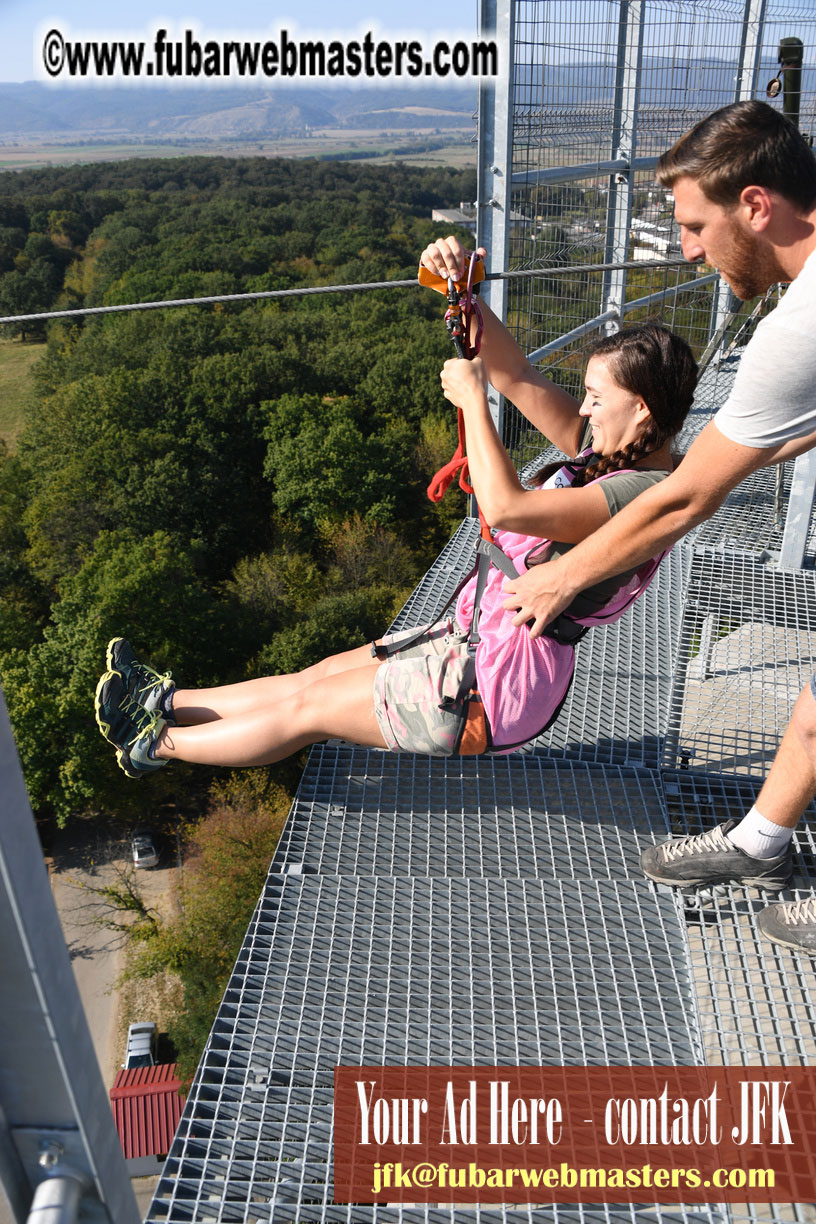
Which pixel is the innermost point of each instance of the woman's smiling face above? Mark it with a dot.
(617, 416)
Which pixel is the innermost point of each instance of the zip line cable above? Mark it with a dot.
(311, 289)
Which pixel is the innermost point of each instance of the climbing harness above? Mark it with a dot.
(474, 735)
(567, 629)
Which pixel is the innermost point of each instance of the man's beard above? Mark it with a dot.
(748, 267)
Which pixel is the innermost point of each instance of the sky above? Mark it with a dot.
(24, 22)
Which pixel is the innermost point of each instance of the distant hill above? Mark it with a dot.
(558, 95)
(37, 110)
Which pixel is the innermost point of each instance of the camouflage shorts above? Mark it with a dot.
(410, 687)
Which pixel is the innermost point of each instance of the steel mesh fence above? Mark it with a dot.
(597, 83)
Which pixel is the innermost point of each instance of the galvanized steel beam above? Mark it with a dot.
(624, 135)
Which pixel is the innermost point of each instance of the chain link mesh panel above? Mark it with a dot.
(597, 81)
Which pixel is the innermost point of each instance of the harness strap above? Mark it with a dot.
(384, 650)
(482, 570)
(457, 463)
(497, 557)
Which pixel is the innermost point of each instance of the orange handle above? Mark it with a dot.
(440, 283)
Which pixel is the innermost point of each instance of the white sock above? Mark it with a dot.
(759, 837)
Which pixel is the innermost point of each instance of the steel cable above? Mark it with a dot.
(561, 270)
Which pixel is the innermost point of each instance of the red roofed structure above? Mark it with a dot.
(147, 1105)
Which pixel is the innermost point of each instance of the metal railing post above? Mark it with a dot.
(750, 51)
(495, 166)
(800, 506)
(495, 150)
(803, 485)
(624, 132)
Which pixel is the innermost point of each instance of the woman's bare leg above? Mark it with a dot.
(191, 707)
(341, 704)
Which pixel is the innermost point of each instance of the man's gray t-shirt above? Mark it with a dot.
(774, 395)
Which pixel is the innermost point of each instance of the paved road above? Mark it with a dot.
(96, 954)
(82, 862)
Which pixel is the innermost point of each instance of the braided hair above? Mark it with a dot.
(655, 364)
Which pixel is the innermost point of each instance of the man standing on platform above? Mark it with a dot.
(744, 185)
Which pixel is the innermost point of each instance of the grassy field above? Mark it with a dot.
(16, 360)
(386, 145)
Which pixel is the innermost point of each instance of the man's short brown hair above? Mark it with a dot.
(747, 144)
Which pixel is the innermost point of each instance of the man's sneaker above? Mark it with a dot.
(793, 923)
(131, 728)
(143, 684)
(709, 858)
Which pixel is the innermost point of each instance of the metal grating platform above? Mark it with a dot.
(457, 971)
(424, 604)
(747, 647)
(366, 813)
(712, 390)
(489, 910)
(757, 1002)
(752, 518)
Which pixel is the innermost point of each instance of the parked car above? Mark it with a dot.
(141, 1045)
(144, 849)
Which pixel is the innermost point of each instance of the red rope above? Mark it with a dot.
(458, 463)
(443, 478)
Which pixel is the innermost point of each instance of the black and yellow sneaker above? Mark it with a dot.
(144, 685)
(127, 725)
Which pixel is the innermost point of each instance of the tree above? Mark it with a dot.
(148, 590)
(323, 465)
(334, 623)
(210, 481)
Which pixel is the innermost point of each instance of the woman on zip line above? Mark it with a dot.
(424, 691)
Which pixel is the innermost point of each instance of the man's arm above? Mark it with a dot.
(651, 523)
(790, 450)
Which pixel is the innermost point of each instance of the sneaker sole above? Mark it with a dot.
(103, 726)
(109, 659)
(134, 771)
(123, 761)
(707, 881)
